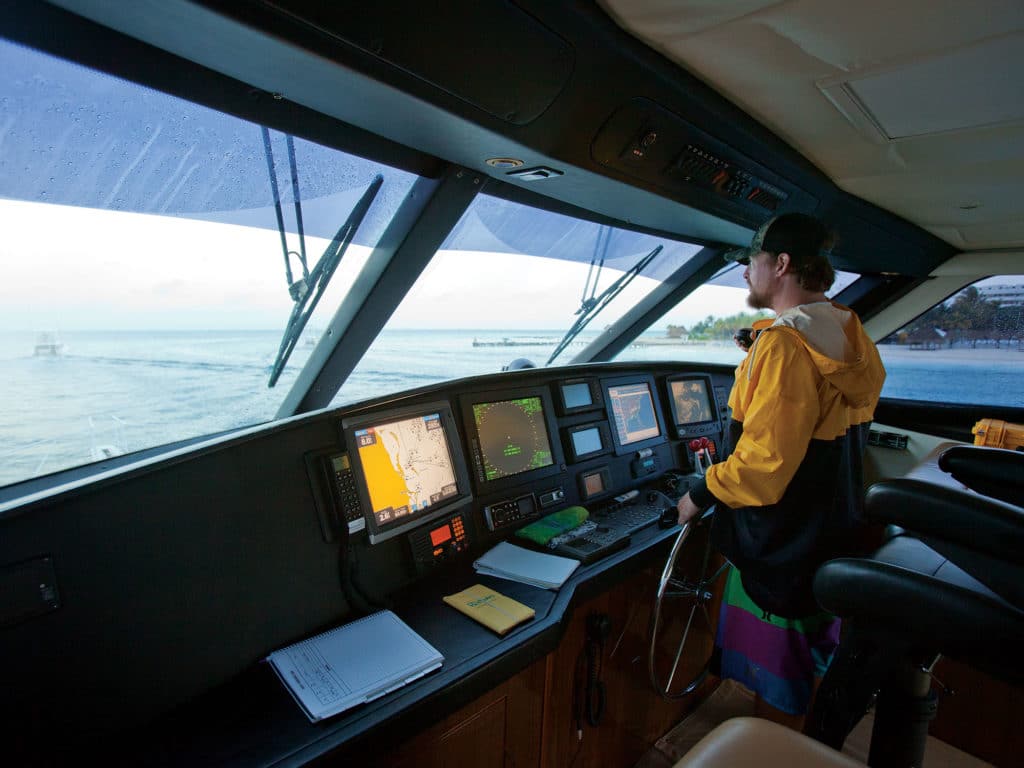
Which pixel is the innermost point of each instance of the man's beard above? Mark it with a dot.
(757, 301)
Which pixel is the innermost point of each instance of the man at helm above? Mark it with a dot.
(789, 496)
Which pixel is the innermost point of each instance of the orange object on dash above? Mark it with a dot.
(996, 433)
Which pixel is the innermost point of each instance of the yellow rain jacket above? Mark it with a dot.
(789, 493)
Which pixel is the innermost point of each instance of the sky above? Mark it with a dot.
(68, 268)
(99, 139)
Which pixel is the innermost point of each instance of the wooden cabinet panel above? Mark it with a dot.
(982, 717)
(501, 728)
(540, 717)
(634, 716)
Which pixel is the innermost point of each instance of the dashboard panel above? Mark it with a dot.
(179, 572)
(449, 475)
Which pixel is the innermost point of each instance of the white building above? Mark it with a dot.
(1005, 295)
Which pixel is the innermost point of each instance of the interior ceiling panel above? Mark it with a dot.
(955, 90)
(915, 106)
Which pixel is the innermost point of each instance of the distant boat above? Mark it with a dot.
(48, 345)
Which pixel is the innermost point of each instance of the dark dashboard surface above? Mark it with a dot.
(178, 575)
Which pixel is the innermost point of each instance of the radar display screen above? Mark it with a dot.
(691, 401)
(633, 410)
(406, 465)
(513, 437)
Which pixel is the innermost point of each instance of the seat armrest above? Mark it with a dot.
(995, 472)
(986, 525)
(909, 596)
(981, 535)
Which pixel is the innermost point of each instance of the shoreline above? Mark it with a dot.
(957, 354)
(892, 351)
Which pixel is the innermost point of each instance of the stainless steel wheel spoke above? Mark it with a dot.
(686, 590)
(679, 650)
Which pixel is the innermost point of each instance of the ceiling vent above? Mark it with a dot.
(970, 87)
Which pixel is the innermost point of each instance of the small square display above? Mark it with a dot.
(593, 484)
(577, 395)
(586, 441)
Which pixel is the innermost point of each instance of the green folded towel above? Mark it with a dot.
(549, 526)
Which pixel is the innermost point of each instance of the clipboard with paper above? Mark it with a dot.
(353, 664)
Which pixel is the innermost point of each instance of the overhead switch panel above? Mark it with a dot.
(651, 144)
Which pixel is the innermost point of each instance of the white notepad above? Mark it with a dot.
(507, 561)
(353, 664)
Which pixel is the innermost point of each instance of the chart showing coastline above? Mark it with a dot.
(407, 465)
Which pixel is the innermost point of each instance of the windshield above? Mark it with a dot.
(504, 289)
(700, 327)
(152, 253)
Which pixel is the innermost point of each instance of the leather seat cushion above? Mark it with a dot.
(750, 742)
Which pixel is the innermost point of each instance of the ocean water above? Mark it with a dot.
(982, 376)
(127, 390)
(112, 392)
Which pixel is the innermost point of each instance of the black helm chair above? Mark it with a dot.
(948, 581)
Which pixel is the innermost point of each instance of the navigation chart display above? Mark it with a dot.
(633, 411)
(407, 466)
(513, 436)
(691, 401)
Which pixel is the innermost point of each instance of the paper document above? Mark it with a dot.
(492, 609)
(507, 561)
(353, 664)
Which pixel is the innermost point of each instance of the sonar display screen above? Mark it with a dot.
(691, 401)
(407, 466)
(633, 409)
(513, 437)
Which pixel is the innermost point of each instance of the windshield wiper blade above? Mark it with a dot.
(320, 276)
(592, 307)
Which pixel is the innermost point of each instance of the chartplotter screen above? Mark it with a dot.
(633, 411)
(406, 465)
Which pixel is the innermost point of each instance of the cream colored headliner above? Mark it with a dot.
(837, 78)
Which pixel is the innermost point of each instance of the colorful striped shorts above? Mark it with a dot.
(776, 658)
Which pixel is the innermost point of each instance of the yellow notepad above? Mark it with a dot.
(490, 608)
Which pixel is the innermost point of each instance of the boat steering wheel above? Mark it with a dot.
(681, 627)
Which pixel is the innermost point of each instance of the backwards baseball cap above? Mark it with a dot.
(803, 237)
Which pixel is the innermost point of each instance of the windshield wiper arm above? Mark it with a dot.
(593, 306)
(320, 276)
